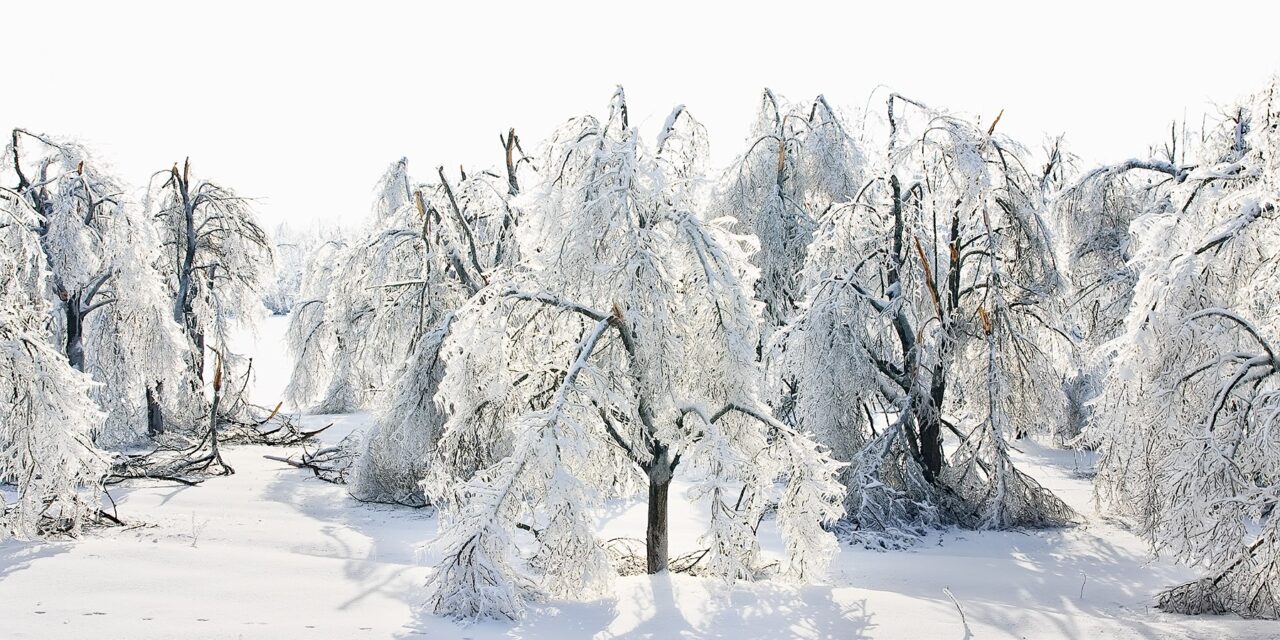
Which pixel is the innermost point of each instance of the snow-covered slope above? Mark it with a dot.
(273, 553)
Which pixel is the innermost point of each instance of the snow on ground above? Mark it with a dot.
(273, 553)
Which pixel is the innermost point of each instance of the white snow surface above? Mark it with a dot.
(273, 553)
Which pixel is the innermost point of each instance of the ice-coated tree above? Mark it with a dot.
(1095, 215)
(310, 338)
(389, 299)
(621, 351)
(292, 248)
(1093, 219)
(1189, 452)
(480, 225)
(364, 314)
(215, 259)
(100, 250)
(459, 237)
(924, 314)
(394, 454)
(798, 163)
(47, 417)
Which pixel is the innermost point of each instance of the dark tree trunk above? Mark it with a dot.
(213, 416)
(931, 427)
(510, 144)
(155, 412)
(656, 535)
(660, 470)
(182, 301)
(187, 285)
(75, 332)
(931, 446)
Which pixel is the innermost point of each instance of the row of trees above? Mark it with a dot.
(796, 338)
(111, 306)
(844, 330)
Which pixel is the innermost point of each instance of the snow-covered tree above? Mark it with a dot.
(310, 337)
(388, 298)
(621, 350)
(395, 453)
(108, 297)
(1096, 248)
(47, 417)
(1188, 442)
(215, 260)
(924, 314)
(367, 308)
(217, 257)
(292, 249)
(798, 163)
(443, 234)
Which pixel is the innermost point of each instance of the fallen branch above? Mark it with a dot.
(330, 464)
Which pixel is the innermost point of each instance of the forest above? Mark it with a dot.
(849, 339)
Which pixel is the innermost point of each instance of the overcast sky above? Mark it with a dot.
(303, 105)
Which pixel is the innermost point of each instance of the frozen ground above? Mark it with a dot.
(273, 553)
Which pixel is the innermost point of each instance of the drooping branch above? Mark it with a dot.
(463, 225)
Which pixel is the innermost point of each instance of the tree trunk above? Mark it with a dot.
(660, 471)
(931, 445)
(213, 419)
(214, 453)
(155, 412)
(75, 332)
(197, 353)
(656, 536)
(931, 427)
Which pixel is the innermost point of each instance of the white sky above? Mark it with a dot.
(303, 105)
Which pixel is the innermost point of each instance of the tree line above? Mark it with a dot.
(844, 332)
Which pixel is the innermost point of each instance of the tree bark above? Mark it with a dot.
(213, 417)
(214, 453)
(509, 144)
(931, 427)
(182, 300)
(656, 535)
(155, 412)
(75, 332)
(931, 446)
